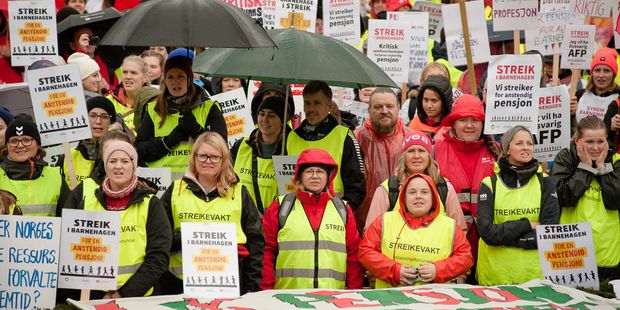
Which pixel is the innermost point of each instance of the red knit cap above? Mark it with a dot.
(393, 5)
(605, 56)
(417, 138)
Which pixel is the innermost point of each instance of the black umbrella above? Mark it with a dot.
(187, 23)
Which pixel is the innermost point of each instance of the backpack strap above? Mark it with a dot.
(259, 200)
(493, 182)
(285, 208)
(341, 208)
(393, 192)
(442, 189)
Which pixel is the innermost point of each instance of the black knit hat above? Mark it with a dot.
(102, 103)
(22, 125)
(275, 104)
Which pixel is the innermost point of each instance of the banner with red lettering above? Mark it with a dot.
(595, 8)
(591, 104)
(32, 31)
(418, 54)
(553, 122)
(478, 35)
(254, 8)
(512, 85)
(579, 46)
(389, 43)
(269, 14)
(341, 20)
(435, 19)
(237, 114)
(514, 14)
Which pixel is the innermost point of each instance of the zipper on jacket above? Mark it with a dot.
(316, 258)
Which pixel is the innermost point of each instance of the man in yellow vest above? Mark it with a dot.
(321, 130)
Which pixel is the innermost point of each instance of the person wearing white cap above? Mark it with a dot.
(89, 71)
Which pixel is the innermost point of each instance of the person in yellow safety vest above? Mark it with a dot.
(252, 155)
(8, 204)
(123, 95)
(182, 112)
(101, 114)
(321, 130)
(145, 234)
(211, 192)
(311, 238)
(511, 204)
(415, 244)
(39, 188)
(588, 175)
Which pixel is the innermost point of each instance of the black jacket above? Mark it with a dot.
(251, 223)
(517, 233)
(574, 179)
(612, 135)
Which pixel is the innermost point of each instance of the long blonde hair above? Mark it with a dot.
(402, 173)
(226, 177)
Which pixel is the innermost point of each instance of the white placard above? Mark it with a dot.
(210, 262)
(595, 8)
(32, 25)
(478, 35)
(341, 20)
(578, 46)
(59, 105)
(514, 14)
(89, 250)
(435, 19)
(418, 54)
(161, 177)
(554, 5)
(296, 90)
(359, 109)
(566, 254)
(284, 168)
(389, 43)
(29, 258)
(53, 153)
(301, 14)
(512, 85)
(237, 114)
(269, 14)
(548, 37)
(254, 8)
(553, 122)
(591, 104)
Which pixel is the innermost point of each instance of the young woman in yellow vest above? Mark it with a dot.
(39, 188)
(252, 155)
(588, 175)
(511, 204)
(182, 112)
(311, 238)
(132, 80)
(8, 205)
(415, 244)
(210, 191)
(145, 236)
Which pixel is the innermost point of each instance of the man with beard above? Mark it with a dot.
(380, 139)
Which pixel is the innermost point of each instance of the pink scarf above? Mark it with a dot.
(121, 193)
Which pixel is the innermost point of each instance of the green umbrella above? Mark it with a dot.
(300, 57)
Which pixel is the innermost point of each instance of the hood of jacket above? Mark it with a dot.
(441, 85)
(318, 156)
(258, 98)
(416, 222)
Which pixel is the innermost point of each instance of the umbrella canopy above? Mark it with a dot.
(300, 57)
(16, 98)
(187, 23)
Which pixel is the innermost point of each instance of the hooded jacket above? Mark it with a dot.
(613, 138)
(258, 98)
(314, 207)
(442, 87)
(388, 270)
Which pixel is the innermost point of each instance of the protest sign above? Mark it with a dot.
(578, 46)
(54, 152)
(514, 14)
(554, 5)
(591, 104)
(29, 259)
(357, 108)
(435, 20)
(210, 263)
(594, 8)
(89, 249)
(478, 35)
(340, 95)
(269, 14)
(296, 90)
(254, 8)
(389, 43)
(512, 83)
(32, 26)
(614, 18)
(547, 38)
(553, 122)
(59, 105)
(236, 113)
(298, 14)
(418, 54)
(284, 168)
(161, 177)
(341, 20)
(566, 254)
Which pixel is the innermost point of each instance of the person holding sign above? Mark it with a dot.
(415, 244)
(133, 79)
(432, 105)
(38, 187)
(511, 204)
(182, 111)
(601, 88)
(211, 192)
(311, 238)
(588, 175)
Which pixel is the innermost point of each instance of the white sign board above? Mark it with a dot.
(359, 109)
(298, 14)
(594, 8)
(389, 43)
(29, 258)
(161, 177)
(514, 14)
(341, 20)
(578, 47)
(478, 35)
(237, 114)
(284, 168)
(435, 19)
(554, 5)
(89, 250)
(32, 26)
(269, 14)
(548, 37)
(553, 122)
(591, 104)
(418, 54)
(254, 8)
(210, 262)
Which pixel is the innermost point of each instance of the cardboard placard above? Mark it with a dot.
(269, 14)
(298, 14)
(254, 8)
(284, 167)
(236, 113)
(479, 37)
(549, 36)
(511, 15)
(578, 49)
(418, 54)
(553, 122)
(389, 43)
(32, 26)
(341, 20)
(435, 19)
(594, 8)
(554, 5)
(161, 177)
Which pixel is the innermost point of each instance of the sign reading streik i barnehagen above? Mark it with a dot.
(389, 43)
(160, 177)
(32, 25)
(236, 114)
(284, 168)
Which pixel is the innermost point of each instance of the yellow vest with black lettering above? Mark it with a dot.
(36, 197)
(309, 259)
(133, 238)
(412, 247)
(125, 112)
(505, 264)
(333, 144)
(385, 185)
(266, 178)
(605, 223)
(186, 207)
(82, 167)
(178, 158)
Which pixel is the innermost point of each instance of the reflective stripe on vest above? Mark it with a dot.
(125, 112)
(36, 197)
(467, 197)
(386, 186)
(133, 237)
(333, 144)
(267, 185)
(186, 207)
(82, 167)
(413, 247)
(604, 222)
(309, 259)
(505, 264)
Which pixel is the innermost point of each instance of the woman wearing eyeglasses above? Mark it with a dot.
(211, 192)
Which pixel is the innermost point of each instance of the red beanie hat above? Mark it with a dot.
(417, 138)
(465, 106)
(393, 5)
(605, 56)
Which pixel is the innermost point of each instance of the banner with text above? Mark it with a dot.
(254, 8)
(298, 14)
(478, 35)
(32, 26)
(269, 14)
(161, 177)
(284, 168)
(578, 49)
(554, 5)
(594, 8)
(553, 122)
(237, 114)
(418, 54)
(591, 104)
(389, 43)
(548, 37)
(514, 14)
(435, 19)
(341, 20)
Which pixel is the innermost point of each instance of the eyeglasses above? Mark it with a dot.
(102, 116)
(24, 142)
(317, 172)
(212, 158)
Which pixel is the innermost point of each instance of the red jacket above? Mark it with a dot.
(388, 270)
